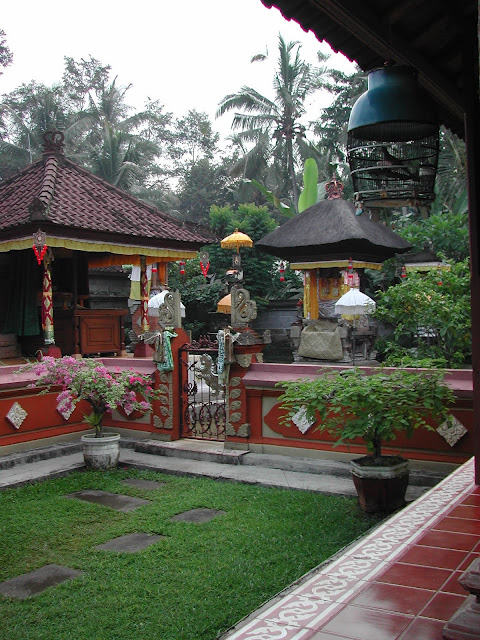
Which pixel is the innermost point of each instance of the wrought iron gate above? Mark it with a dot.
(203, 400)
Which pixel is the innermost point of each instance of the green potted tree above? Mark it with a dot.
(104, 390)
(375, 407)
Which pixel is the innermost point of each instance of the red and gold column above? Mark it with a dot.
(47, 301)
(144, 324)
(310, 295)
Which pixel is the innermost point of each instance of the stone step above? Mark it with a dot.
(193, 450)
(42, 453)
(303, 465)
(209, 451)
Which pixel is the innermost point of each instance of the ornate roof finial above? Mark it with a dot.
(334, 188)
(53, 142)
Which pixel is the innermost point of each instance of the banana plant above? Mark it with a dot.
(308, 196)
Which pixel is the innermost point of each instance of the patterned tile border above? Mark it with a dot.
(310, 604)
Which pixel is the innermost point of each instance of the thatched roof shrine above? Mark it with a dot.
(330, 230)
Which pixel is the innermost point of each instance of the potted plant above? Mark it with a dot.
(375, 407)
(104, 390)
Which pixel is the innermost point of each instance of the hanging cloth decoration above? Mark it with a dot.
(167, 364)
(182, 267)
(221, 353)
(204, 263)
(144, 324)
(39, 245)
(282, 271)
(47, 301)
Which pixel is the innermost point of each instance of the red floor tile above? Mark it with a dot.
(449, 540)
(424, 629)
(459, 524)
(367, 624)
(468, 560)
(443, 606)
(392, 597)
(320, 635)
(433, 557)
(409, 575)
(452, 586)
(472, 512)
(472, 499)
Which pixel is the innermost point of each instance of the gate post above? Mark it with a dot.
(248, 349)
(166, 408)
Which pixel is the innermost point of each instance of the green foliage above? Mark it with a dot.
(261, 276)
(391, 354)
(201, 186)
(309, 195)
(434, 304)
(199, 295)
(6, 56)
(445, 233)
(331, 128)
(266, 539)
(374, 407)
(192, 140)
(272, 136)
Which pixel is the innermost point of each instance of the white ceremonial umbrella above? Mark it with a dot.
(354, 303)
(157, 300)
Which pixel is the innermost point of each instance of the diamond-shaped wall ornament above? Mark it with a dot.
(16, 415)
(452, 431)
(302, 421)
(64, 412)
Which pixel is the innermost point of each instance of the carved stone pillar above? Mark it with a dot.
(247, 351)
(465, 623)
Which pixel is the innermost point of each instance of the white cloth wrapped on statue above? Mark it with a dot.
(321, 340)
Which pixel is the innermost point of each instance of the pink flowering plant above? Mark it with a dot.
(90, 380)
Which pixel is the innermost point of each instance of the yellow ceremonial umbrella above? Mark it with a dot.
(225, 304)
(236, 240)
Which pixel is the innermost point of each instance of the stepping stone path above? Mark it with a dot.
(130, 543)
(198, 515)
(139, 483)
(30, 584)
(115, 501)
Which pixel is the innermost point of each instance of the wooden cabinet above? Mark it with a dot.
(89, 331)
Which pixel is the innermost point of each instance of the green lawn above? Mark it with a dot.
(196, 582)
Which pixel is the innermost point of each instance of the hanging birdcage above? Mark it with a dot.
(393, 140)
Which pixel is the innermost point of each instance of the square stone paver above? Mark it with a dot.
(130, 543)
(198, 515)
(115, 501)
(140, 483)
(30, 584)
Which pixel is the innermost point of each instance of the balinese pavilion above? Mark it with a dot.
(325, 241)
(57, 220)
(332, 246)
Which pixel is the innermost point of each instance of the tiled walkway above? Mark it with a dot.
(399, 583)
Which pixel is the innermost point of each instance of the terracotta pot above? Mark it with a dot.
(381, 489)
(101, 453)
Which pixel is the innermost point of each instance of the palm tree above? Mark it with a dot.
(274, 127)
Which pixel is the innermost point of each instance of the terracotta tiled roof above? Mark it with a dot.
(68, 198)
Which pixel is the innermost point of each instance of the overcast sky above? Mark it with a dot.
(186, 53)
